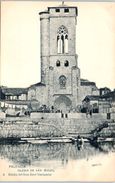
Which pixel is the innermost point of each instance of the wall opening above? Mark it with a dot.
(62, 39)
(66, 64)
(58, 63)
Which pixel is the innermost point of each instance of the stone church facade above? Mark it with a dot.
(61, 85)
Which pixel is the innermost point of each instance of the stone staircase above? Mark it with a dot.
(57, 127)
(109, 131)
(83, 126)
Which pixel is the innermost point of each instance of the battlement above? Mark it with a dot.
(61, 11)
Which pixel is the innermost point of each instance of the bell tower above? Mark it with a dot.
(59, 67)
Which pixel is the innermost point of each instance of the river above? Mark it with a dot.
(57, 161)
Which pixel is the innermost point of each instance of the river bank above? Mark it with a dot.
(27, 127)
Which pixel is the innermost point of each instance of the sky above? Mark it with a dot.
(20, 42)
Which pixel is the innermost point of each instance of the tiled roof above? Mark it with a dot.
(14, 91)
(92, 97)
(105, 88)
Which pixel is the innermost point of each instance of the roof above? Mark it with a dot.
(42, 12)
(38, 84)
(56, 7)
(14, 91)
(92, 97)
(105, 88)
(62, 6)
(85, 82)
(109, 95)
(18, 102)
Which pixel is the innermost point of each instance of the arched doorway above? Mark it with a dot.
(63, 103)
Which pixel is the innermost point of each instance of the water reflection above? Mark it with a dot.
(59, 153)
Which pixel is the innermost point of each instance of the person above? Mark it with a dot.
(91, 110)
(79, 140)
(91, 113)
(87, 112)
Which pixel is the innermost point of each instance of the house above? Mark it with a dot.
(103, 91)
(14, 93)
(91, 100)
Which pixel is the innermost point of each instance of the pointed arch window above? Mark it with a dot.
(62, 39)
(62, 81)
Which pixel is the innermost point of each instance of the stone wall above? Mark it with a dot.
(108, 132)
(38, 115)
(45, 115)
(33, 128)
(38, 93)
(88, 90)
(27, 127)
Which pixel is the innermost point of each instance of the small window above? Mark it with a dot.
(57, 10)
(66, 10)
(66, 64)
(62, 82)
(66, 36)
(58, 63)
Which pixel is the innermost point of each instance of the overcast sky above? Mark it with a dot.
(20, 38)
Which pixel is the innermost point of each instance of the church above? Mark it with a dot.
(61, 85)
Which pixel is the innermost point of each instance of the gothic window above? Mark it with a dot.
(62, 81)
(62, 39)
(58, 63)
(66, 64)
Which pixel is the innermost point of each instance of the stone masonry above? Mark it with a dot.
(60, 84)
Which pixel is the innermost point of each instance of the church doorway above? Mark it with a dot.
(63, 103)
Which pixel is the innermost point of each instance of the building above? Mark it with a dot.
(104, 90)
(107, 102)
(90, 101)
(14, 93)
(61, 86)
(104, 103)
(13, 98)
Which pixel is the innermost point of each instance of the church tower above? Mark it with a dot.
(59, 67)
